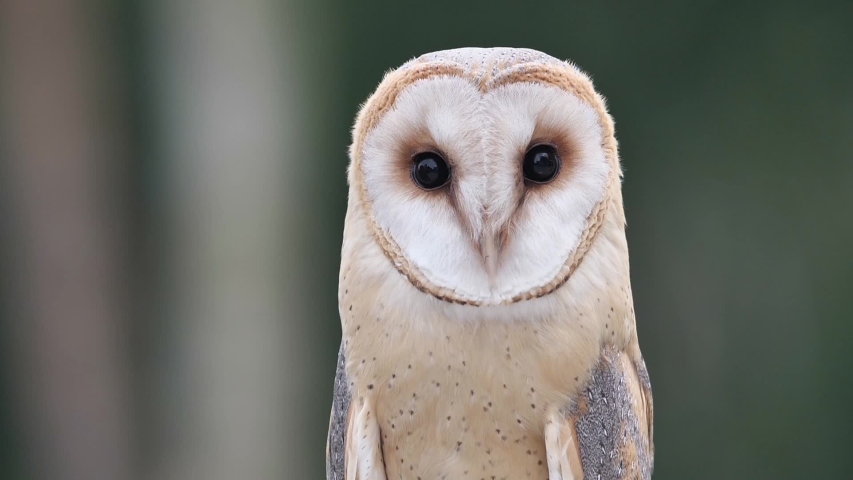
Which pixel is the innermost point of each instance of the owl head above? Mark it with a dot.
(485, 176)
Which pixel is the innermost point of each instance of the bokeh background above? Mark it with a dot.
(172, 195)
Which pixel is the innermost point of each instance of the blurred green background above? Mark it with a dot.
(172, 195)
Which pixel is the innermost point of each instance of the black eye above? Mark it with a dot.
(430, 171)
(541, 164)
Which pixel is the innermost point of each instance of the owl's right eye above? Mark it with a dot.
(430, 171)
(541, 164)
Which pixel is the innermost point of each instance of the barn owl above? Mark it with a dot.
(485, 298)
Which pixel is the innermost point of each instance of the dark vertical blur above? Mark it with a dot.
(172, 192)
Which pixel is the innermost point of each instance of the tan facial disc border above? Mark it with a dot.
(563, 76)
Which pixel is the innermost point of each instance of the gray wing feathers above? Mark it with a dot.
(611, 443)
(335, 457)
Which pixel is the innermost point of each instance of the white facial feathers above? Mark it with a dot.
(547, 227)
(451, 235)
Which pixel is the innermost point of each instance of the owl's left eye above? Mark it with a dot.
(430, 171)
(541, 164)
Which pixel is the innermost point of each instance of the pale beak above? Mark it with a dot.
(490, 250)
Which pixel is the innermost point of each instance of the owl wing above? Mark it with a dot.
(353, 447)
(610, 425)
(339, 424)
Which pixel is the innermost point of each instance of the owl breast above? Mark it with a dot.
(460, 398)
(462, 403)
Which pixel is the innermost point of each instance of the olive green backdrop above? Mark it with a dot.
(735, 124)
